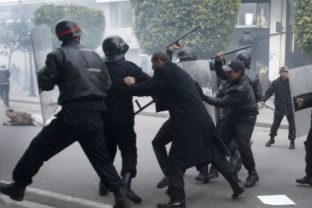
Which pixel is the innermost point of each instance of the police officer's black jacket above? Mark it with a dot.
(236, 96)
(80, 74)
(255, 84)
(4, 76)
(282, 100)
(119, 101)
(196, 134)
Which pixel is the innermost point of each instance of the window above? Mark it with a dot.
(263, 15)
(254, 15)
(247, 15)
(121, 14)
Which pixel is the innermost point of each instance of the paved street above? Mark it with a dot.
(70, 173)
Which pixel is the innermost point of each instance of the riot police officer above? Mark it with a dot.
(83, 82)
(254, 82)
(119, 119)
(241, 110)
(305, 101)
(283, 106)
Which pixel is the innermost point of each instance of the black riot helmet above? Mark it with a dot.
(114, 48)
(187, 54)
(245, 57)
(67, 29)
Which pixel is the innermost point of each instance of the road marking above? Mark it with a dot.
(53, 199)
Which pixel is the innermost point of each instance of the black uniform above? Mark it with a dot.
(308, 143)
(240, 111)
(83, 80)
(283, 107)
(119, 120)
(255, 83)
(195, 141)
(4, 85)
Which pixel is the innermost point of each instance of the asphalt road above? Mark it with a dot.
(71, 174)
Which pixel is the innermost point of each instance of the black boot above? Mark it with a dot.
(305, 180)
(102, 189)
(213, 173)
(172, 204)
(164, 182)
(292, 144)
(270, 142)
(252, 179)
(13, 191)
(235, 184)
(203, 175)
(129, 193)
(121, 200)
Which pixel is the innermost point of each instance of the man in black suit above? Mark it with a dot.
(196, 141)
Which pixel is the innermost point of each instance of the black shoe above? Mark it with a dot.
(121, 200)
(237, 192)
(203, 177)
(270, 142)
(252, 179)
(213, 173)
(102, 189)
(127, 189)
(132, 196)
(292, 144)
(172, 204)
(14, 192)
(163, 183)
(305, 180)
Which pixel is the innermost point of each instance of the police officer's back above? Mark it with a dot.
(83, 81)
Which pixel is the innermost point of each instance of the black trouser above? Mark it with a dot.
(4, 93)
(68, 127)
(308, 158)
(240, 130)
(176, 182)
(291, 126)
(164, 136)
(123, 136)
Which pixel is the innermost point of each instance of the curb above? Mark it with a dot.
(162, 115)
(158, 115)
(59, 200)
(24, 101)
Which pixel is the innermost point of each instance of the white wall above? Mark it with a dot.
(278, 42)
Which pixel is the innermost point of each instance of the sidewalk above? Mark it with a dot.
(23, 97)
(264, 119)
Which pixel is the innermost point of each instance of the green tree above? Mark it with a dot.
(158, 22)
(302, 23)
(14, 35)
(91, 21)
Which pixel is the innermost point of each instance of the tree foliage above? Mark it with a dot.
(91, 21)
(160, 21)
(14, 35)
(303, 24)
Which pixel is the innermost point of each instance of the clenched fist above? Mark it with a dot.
(129, 81)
